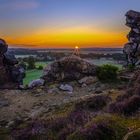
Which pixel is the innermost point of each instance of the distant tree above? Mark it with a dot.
(23, 64)
(31, 62)
(40, 67)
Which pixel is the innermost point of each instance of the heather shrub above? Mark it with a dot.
(78, 117)
(134, 136)
(126, 95)
(95, 103)
(126, 107)
(104, 128)
(40, 67)
(107, 73)
(34, 131)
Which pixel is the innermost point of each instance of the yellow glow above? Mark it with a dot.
(76, 47)
(68, 37)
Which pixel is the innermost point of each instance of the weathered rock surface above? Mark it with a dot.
(132, 49)
(68, 68)
(36, 83)
(66, 87)
(10, 74)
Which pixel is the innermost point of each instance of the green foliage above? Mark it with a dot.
(107, 73)
(40, 67)
(31, 62)
(32, 75)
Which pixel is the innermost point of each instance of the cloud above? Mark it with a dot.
(19, 5)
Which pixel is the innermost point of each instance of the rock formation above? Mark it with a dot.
(11, 74)
(68, 68)
(132, 48)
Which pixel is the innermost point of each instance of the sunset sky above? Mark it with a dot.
(65, 23)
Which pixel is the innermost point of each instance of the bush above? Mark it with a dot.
(107, 73)
(103, 130)
(40, 67)
(126, 107)
(95, 103)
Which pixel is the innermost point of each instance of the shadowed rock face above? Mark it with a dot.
(68, 68)
(8, 68)
(132, 48)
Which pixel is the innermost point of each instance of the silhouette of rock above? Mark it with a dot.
(68, 69)
(11, 75)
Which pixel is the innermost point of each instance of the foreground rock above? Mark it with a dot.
(11, 74)
(132, 48)
(68, 69)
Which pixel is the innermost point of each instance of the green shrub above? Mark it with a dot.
(107, 73)
(40, 67)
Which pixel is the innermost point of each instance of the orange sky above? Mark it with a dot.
(69, 37)
(65, 23)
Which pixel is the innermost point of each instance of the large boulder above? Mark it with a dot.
(68, 68)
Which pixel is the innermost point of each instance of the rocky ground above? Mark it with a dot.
(31, 104)
(18, 107)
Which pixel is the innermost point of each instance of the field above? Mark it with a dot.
(35, 74)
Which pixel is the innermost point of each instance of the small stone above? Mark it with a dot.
(4, 103)
(67, 88)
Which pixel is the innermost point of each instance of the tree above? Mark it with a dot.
(31, 62)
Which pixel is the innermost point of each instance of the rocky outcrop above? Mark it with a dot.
(68, 68)
(132, 48)
(11, 74)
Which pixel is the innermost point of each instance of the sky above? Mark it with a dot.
(65, 23)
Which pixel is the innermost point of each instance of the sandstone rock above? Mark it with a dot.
(36, 83)
(67, 88)
(68, 68)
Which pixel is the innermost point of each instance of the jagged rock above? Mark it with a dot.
(134, 37)
(10, 59)
(133, 19)
(132, 49)
(68, 68)
(11, 75)
(3, 46)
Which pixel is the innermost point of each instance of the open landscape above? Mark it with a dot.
(69, 70)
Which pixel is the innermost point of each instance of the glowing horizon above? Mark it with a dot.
(65, 23)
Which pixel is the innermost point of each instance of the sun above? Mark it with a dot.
(76, 47)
